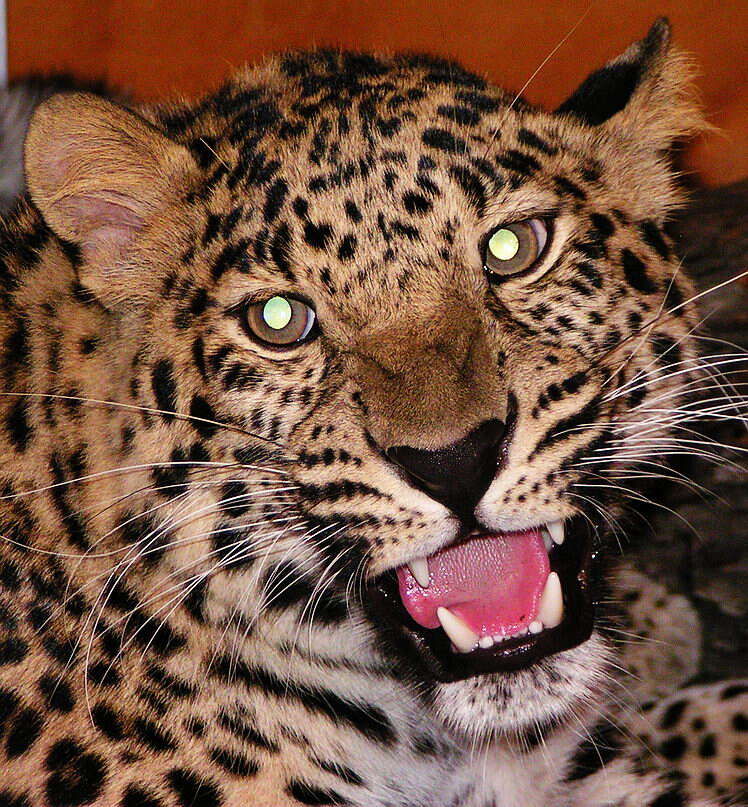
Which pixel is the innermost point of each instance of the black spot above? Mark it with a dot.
(9, 799)
(673, 797)
(88, 345)
(528, 138)
(352, 211)
(57, 693)
(603, 225)
(568, 188)
(203, 412)
(405, 230)
(444, 141)
(673, 714)
(518, 162)
(204, 150)
(135, 796)
(636, 274)
(106, 720)
(153, 735)
(416, 203)
(653, 238)
(164, 388)
(666, 350)
(740, 722)
(76, 777)
(472, 187)
(280, 248)
(349, 776)
(309, 794)
(12, 650)
(235, 497)
(347, 247)
(102, 674)
(194, 790)
(733, 691)
(234, 763)
(461, 115)
(9, 575)
(673, 748)
(240, 728)
(17, 423)
(233, 255)
(23, 733)
(567, 426)
(477, 100)
(708, 747)
(274, 199)
(317, 236)
(16, 352)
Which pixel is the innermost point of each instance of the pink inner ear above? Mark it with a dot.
(104, 225)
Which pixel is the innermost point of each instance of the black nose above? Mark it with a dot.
(459, 474)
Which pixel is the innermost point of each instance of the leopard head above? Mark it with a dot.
(429, 317)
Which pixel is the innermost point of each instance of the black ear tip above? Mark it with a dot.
(658, 36)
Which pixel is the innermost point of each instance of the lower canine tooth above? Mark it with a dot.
(462, 637)
(551, 610)
(556, 530)
(419, 568)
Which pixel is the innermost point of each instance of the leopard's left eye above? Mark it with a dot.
(514, 248)
(281, 321)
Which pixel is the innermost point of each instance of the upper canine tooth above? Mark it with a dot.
(462, 637)
(419, 568)
(556, 530)
(551, 610)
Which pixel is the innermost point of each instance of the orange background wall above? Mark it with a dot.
(156, 47)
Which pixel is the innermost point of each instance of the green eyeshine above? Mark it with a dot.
(504, 245)
(277, 313)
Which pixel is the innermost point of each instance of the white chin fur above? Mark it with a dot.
(482, 708)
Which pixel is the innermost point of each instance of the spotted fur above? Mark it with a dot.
(190, 520)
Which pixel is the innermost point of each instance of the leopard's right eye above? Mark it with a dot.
(281, 321)
(514, 248)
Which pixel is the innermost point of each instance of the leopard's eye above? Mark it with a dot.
(515, 248)
(281, 321)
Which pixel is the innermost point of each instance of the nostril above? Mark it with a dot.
(459, 474)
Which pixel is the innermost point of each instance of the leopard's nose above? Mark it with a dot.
(459, 474)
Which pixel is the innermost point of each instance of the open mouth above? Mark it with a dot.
(492, 602)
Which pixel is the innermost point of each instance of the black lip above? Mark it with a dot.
(430, 650)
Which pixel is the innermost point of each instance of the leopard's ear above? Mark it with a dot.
(645, 93)
(99, 174)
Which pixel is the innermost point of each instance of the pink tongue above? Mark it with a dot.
(492, 581)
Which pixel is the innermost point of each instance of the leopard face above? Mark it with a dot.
(409, 321)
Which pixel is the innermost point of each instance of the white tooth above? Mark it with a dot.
(485, 642)
(551, 610)
(462, 637)
(547, 540)
(556, 530)
(536, 626)
(419, 568)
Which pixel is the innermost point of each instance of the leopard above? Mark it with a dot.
(318, 395)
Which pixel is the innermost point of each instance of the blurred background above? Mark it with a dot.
(155, 48)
